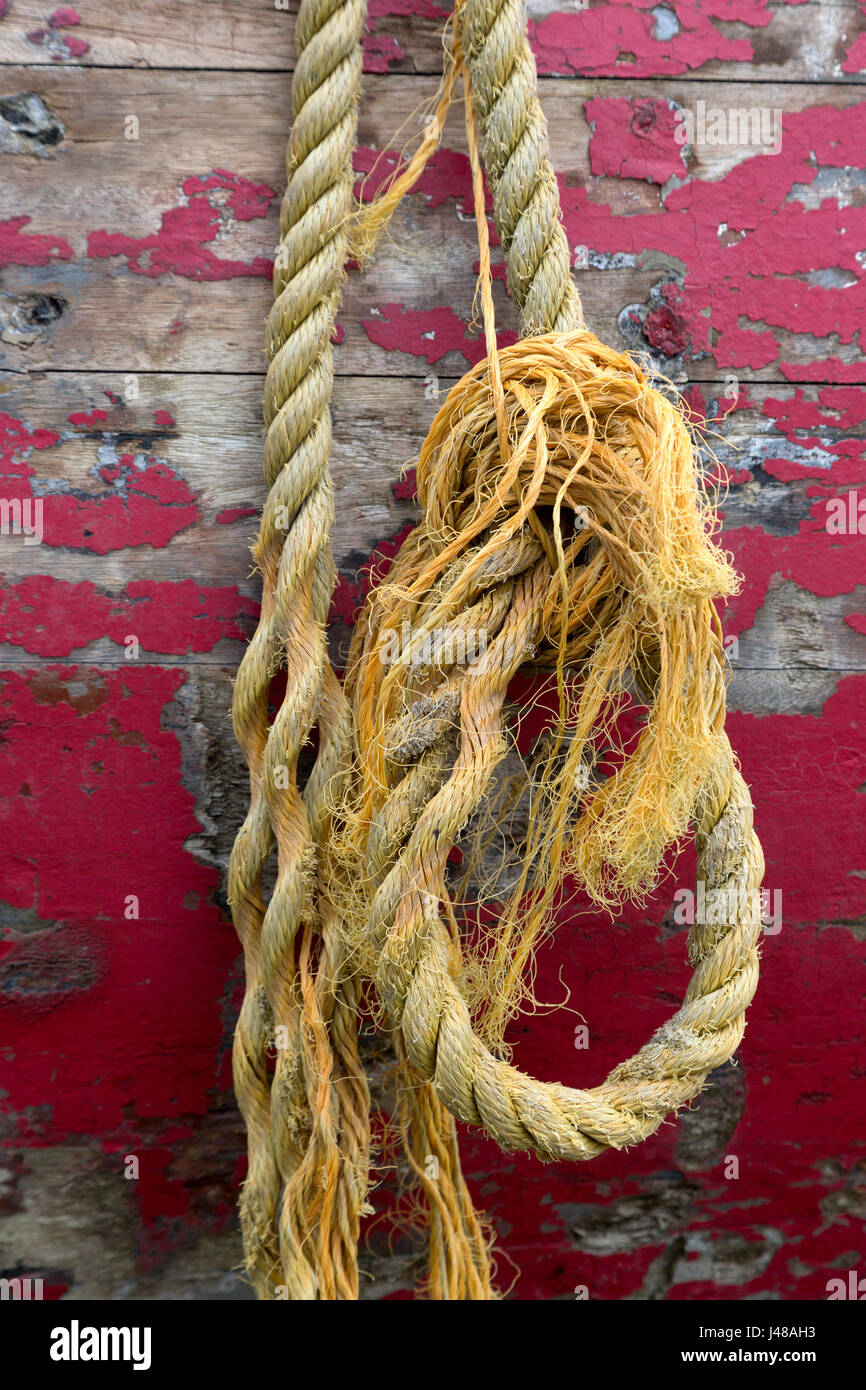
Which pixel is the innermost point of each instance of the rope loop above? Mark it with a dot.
(565, 529)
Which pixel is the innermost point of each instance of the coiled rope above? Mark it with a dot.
(557, 428)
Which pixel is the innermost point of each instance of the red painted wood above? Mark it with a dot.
(118, 1027)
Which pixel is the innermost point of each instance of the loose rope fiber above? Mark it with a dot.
(566, 526)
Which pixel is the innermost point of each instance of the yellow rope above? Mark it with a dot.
(308, 1117)
(312, 1117)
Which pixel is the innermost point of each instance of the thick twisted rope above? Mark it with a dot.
(557, 426)
(293, 1123)
(516, 157)
(309, 1127)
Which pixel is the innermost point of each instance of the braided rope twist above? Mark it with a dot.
(415, 976)
(516, 157)
(412, 833)
(572, 425)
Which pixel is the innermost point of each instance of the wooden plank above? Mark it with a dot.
(812, 41)
(164, 265)
(208, 433)
(127, 777)
(85, 444)
(158, 33)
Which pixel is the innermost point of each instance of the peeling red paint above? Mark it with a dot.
(633, 138)
(855, 58)
(180, 247)
(76, 48)
(618, 38)
(18, 247)
(142, 500)
(103, 760)
(787, 470)
(54, 618)
(809, 557)
(825, 369)
(230, 514)
(81, 417)
(380, 51)
(743, 292)
(60, 46)
(428, 333)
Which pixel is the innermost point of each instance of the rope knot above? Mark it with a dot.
(564, 440)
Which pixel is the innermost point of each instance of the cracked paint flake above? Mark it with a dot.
(855, 58)
(635, 138)
(736, 296)
(60, 46)
(18, 247)
(139, 500)
(809, 556)
(231, 514)
(53, 617)
(626, 38)
(208, 209)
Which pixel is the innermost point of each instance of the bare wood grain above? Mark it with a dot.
(806, 42)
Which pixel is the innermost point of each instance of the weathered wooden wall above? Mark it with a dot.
(135, 279)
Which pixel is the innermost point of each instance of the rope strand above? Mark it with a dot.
(294, 1121)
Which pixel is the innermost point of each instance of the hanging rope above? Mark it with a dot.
(516, 157)
(566, 527)
(313, 1116)
(308, 1122)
